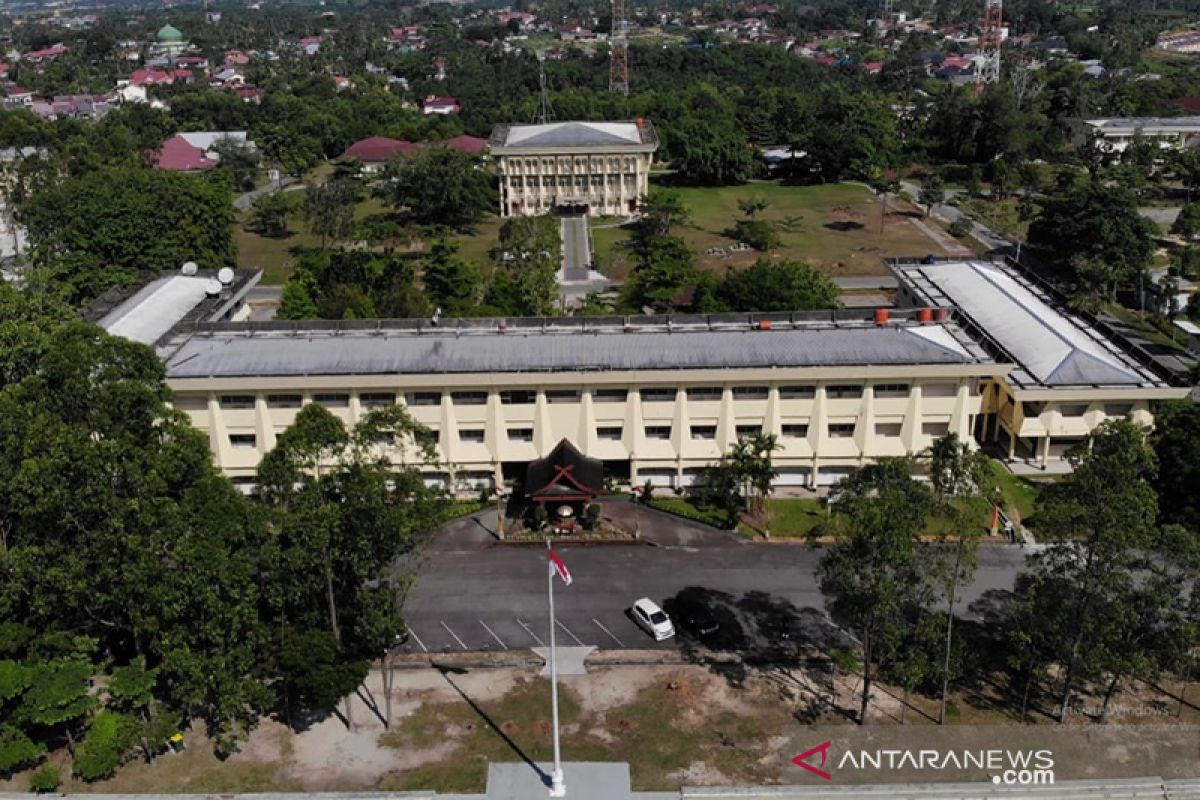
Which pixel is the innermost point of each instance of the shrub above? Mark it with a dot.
(758, 233)
(960, 228)
(45, 778)
(103, 749)
(591, 516)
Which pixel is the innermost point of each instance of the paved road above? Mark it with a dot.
(866, 281)
(244, 201)
(950, 214)
(471, 595)
(577, 255)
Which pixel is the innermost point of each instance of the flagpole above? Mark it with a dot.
(557, 787)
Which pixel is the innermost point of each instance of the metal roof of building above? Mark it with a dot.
(639, 134)
(1114, 124)
(156, 308)
(150, 313)
(1051, 346)
(524, 346)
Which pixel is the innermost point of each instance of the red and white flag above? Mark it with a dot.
(558, 566)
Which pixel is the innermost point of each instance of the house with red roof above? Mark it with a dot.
(464, 143)
(191, 62)
(178, 154)
(18, 96)
(248, 94)
(435, 104)
(45, 54)
(151, 77)
(236, 58)
(375, 151)
(196, 151)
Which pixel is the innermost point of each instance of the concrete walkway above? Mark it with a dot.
(245, 200)
(576, 250)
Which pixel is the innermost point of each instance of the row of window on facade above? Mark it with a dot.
(569, 164)
(615, 433)
(562, 182)
(529, 396)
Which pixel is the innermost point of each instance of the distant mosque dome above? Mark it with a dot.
(169, 33)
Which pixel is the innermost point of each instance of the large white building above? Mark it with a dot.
(1068, 374)
(981, 352)
(592, 167)
(1116, 134)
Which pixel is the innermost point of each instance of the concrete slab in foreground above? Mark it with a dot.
(583, 780)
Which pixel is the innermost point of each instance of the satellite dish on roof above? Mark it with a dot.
(225, 276)
(212, 288)
(189, 268)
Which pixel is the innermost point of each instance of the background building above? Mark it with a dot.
(1117, 134)
(590, 167)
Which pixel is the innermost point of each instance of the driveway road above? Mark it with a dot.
(471, 595)
(577, 256)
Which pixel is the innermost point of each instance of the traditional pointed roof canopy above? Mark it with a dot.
(565, 474)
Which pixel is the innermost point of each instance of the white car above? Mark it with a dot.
(653, 619)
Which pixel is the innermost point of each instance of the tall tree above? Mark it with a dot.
(111, 226)
(778, 286)
(1094, 225)
(1176, 443)
(873, 577)
(439, 186)
(1100, 523)
(454, 284)
(712, 152)
(329, 210)
(660, 273)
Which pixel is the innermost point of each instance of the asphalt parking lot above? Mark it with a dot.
(472, 594)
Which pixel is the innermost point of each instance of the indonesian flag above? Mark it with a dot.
(558, 566)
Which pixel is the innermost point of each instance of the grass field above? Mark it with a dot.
(833, 227)
(273, 255)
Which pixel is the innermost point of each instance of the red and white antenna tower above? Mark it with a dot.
(990, 38)
(618, 55)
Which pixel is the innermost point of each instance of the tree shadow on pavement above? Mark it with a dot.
(759, 634)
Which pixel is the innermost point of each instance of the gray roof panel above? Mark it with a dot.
(230, 354)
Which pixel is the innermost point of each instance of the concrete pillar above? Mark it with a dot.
(772, 419)
(264, 428)
(960, 417)
(726, 425)
(864, 429)
(494, 431)
(910, 428)
(1045, 448)
(543, 436)
(587, 441)
(218, 435)
(681, 433)
(818, 424)
(448, 435)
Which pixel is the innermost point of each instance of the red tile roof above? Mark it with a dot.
(177, 154)
(377, 149)
(1190, 103)
(465, 144)
(150, 77)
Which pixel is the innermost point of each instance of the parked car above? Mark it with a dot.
(653, 619)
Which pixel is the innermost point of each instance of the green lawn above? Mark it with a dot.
(789, 517)
(272, 255)
(834, 227)
(999, 215)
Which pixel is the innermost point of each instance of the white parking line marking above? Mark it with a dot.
(461, 643)
(493, 633)
(610, 633)
(418, 638)
(529, 630)
(568, 630)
